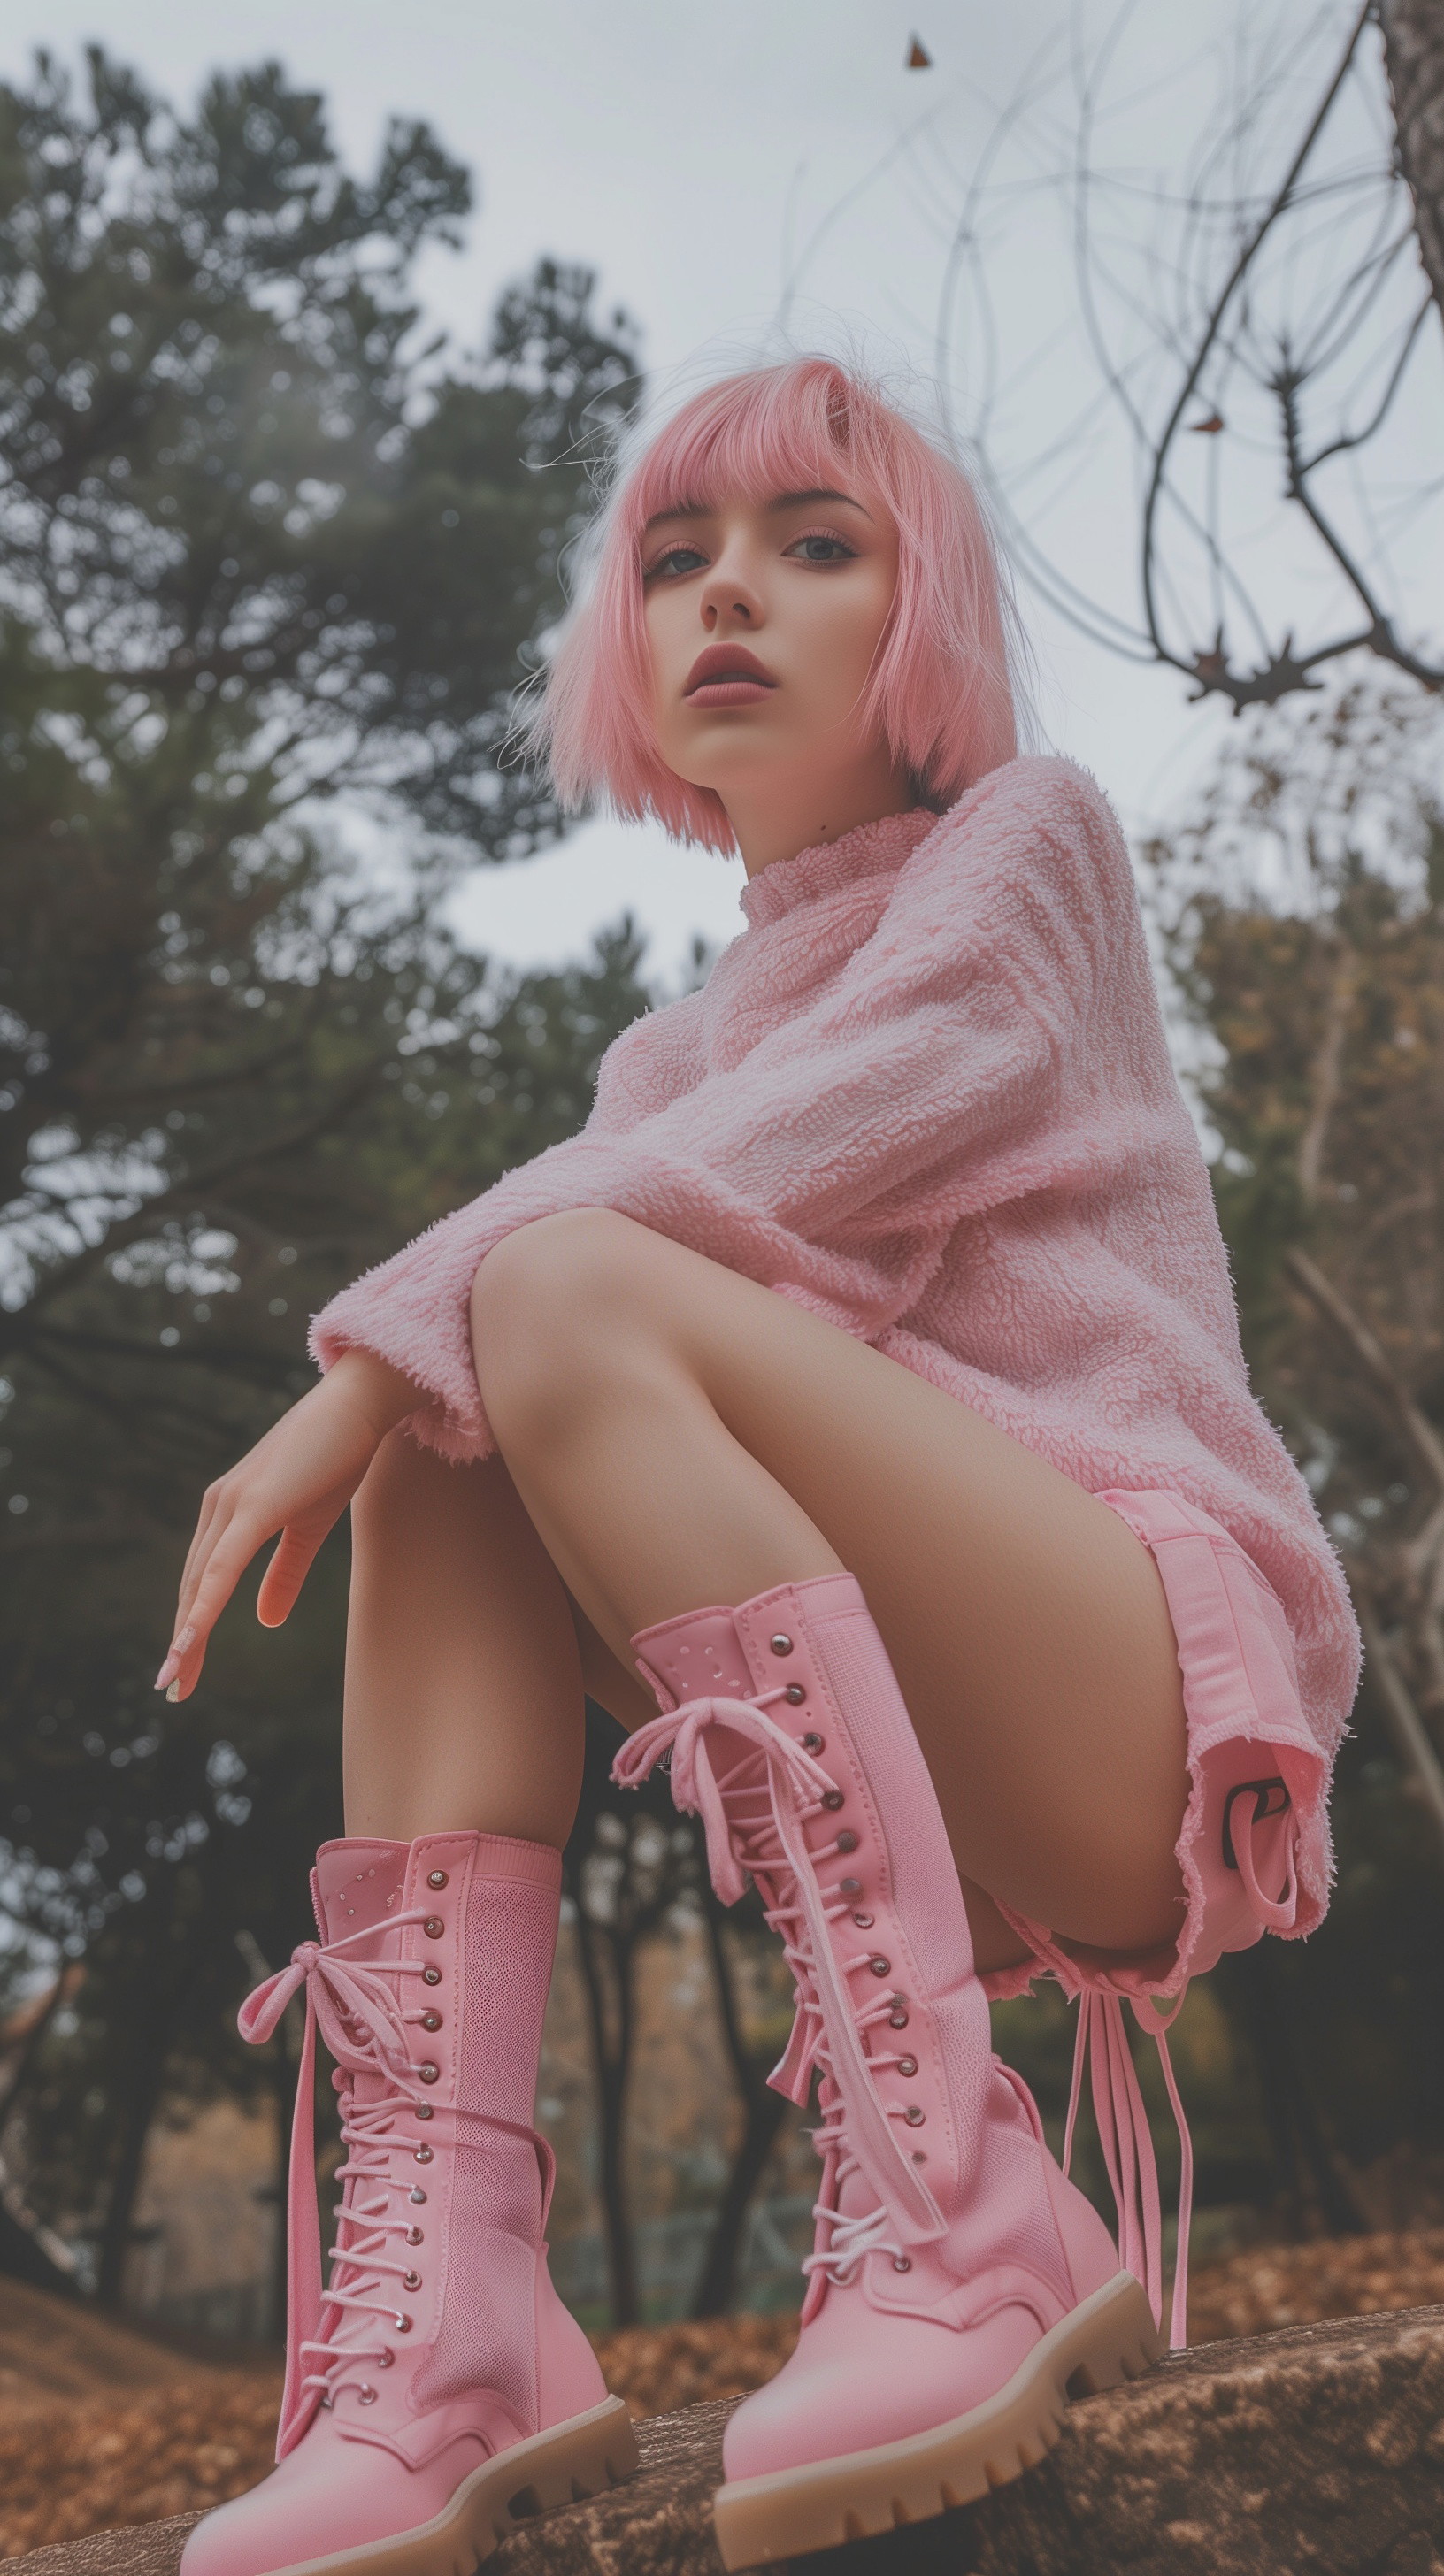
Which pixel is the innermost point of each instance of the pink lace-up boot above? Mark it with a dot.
(436, 2389)
(960, 2288)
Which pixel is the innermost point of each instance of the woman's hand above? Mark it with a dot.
(298, 1480)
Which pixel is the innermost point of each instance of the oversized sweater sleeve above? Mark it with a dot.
(833, 1162)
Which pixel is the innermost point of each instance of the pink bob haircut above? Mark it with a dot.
(942, 689)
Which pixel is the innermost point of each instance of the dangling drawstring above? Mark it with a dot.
(1127, 2144)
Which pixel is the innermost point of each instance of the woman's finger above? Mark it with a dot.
(223, 1570)
(203, 1549)
(281, 1583)
(210, 1505)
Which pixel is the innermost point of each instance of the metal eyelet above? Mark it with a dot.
(428, 2073)
(425, 2155)
(914, 2115)
(431, 1976)
(414, 2236)
(794, 1694)
(849, 1886)
(832, 1799)
(328, 2401)
(897, 2018)
(813, 1744)
(416, 2193)
(863, 1922)
(385, 2358)
(902, 2263)
(421, 2110)
(907, 2066)
(781, 1645)
(366, 2396)
(431, 2021)
(847, 1840)
(880, 1966)
(401, 2323)
(433, 1927)
(436, 1878)
(411, 2280)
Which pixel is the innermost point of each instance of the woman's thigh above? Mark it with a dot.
(1027, 1624)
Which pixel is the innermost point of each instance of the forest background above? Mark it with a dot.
(273, 562)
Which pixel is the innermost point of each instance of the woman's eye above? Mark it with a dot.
(677, 559)
(822, 549)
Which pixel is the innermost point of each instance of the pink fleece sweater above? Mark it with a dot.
(926, 1094)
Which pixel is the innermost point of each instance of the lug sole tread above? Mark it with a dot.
(566, 2464)
(1108, 2339)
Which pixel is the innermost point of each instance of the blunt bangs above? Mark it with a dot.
(942, 688)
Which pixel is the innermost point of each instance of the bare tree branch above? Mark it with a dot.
(1418, 1431)
(1420, 1761)
(1413, 32)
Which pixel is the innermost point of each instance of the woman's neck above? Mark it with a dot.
(782, 816)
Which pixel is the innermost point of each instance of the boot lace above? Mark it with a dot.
(356, 2002)
(756, 1819)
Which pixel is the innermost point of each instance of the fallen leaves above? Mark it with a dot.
(71, 2467)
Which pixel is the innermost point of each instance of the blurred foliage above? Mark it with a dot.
(258, 551)
(1302, 915)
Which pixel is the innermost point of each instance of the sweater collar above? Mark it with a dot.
(873, 849)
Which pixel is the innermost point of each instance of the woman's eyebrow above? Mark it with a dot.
(679, 510)
(781, 501)
(790, 500)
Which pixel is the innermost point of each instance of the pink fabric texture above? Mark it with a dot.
(927, 1095)
(438, 2340)
(948, 2243)
(1254, 1849)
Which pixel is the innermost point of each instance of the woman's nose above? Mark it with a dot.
(727, 593)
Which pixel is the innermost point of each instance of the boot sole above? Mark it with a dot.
(564, 2465)
(784, 2514)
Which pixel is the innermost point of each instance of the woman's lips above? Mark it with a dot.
(738, 692)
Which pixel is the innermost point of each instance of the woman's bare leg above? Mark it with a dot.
(681, 1436)
(463, 1678)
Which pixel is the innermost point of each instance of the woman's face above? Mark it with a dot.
(764, 618)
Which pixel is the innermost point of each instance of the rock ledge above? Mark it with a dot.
(1315, 2452)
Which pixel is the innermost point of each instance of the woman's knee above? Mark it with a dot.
(552, 1305)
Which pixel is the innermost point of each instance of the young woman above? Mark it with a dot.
(864, 1381)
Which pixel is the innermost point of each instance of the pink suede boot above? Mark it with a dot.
(437, 2391)
(960, 2288)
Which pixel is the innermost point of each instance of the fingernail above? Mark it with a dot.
(174, 1691)
(166, 1671)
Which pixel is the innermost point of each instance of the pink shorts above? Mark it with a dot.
(1254, 1849)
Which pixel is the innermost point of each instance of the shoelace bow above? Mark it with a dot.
(776, 1798)
(363, 2025)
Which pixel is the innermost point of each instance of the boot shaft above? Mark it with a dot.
(429, 1987)
(474, 1969)
(810, 1655)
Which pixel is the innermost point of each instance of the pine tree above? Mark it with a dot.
(271, 567)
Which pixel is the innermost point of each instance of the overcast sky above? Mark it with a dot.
(690, 154)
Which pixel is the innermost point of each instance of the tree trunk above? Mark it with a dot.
(1414, 53)
(140, 2107)
(764, 2113)
(158, 1992)
(612, 2067)
(1301, 2151)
